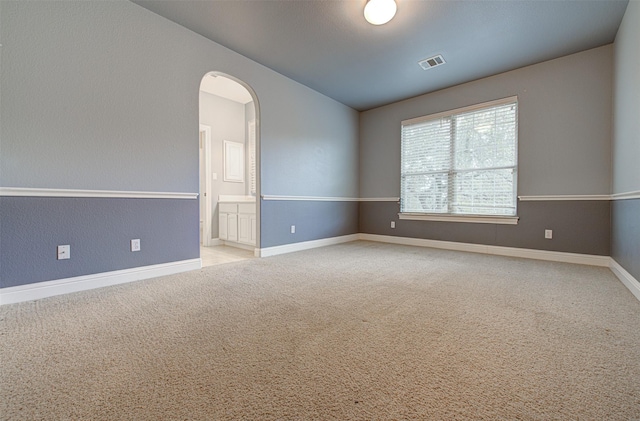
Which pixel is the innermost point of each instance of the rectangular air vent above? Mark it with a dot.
(431, 62)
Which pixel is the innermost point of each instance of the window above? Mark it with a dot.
(252, 157)
(461, 163)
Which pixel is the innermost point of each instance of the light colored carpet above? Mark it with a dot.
(359, 331)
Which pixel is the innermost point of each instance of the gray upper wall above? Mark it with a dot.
(625, 214)
(226, 119)
(626, 103)
(104, 95)
(564, 126)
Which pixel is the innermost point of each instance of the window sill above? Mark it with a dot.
(476, 219)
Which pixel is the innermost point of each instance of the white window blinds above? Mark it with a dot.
(252, 157)
(463, 162)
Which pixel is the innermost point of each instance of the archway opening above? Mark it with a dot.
(229, 166)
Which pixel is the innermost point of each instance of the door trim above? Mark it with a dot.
(208, 205)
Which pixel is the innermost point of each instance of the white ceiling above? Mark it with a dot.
(328, 46)
(226, 88)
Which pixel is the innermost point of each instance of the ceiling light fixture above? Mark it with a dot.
(379, 12)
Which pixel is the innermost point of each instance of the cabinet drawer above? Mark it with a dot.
(228, 208)
(246, 208)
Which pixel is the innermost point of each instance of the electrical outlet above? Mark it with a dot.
(64, 252)
(293, 229)
(393, 224)
(135, 245)
(548, 234)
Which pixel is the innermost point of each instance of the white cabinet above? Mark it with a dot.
(225, 211)
(232, 227)
(237, 222)
(244, 228)
(222, 226)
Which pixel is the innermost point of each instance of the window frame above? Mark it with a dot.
(454, 217)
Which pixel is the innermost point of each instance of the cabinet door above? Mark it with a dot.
(223, 225)
(232, 228)
(244, 228)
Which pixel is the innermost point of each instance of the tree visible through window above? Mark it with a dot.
(463, 162)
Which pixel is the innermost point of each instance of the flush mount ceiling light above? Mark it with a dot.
(379, 12)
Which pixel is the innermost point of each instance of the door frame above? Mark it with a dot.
(258, 147)
(208, 181)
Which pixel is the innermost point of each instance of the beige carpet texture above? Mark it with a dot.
(359, 331)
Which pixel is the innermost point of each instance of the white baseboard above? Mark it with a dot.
(215, 242)
(625, 277)
(46, 289)
(554, 256)
(81, 283)
(305, 245)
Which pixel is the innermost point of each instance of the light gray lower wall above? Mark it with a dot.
(314, 220)
(98, 230)
(625, 235)
(578, 226)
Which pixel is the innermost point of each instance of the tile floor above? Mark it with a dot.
(218, 255)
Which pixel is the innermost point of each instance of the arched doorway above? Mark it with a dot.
(229, 163)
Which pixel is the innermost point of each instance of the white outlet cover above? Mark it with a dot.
(135, 245)
(293, 229)
(548, 234)
(64, 252)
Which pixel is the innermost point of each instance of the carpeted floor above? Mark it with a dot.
(360, 331)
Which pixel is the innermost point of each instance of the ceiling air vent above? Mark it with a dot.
(431, 62)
